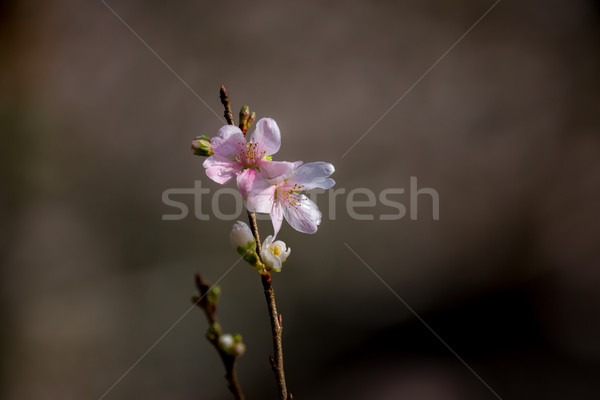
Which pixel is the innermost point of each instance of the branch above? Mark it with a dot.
(254, 229)
(276, 329)
(225, 101)
(207, 301)
(276, 326)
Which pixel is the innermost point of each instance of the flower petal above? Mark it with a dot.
(267, 136)
(284, 251)
(276, 217)
(256, 190)
(278, 169)
(314, 175)
(229, 141)
(305, 217)
(270, 259)
(221, 169)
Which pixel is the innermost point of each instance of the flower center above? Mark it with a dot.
(249, 154)
(290, 196)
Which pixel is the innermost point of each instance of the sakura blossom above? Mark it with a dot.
(274, 253)
(283, 197)
(234, 156)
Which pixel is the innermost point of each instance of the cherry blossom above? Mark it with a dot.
(283, 196)
(274, 253)
(244, 159)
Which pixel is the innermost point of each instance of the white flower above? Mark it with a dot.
(274, 253)
(241, 236)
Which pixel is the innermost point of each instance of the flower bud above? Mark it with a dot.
(226, 342)
(201, 146)
(231, 344)
(213, 331)
(212, 296)
(274, 253)
(251, 119)
(238, 349)
(243, 241)
(241, 237)
(244, 114)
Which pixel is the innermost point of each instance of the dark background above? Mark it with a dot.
(505, 128)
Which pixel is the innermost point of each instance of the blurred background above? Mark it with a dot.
(505, 128)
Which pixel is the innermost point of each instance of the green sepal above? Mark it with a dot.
(201, 146)
(213, 332)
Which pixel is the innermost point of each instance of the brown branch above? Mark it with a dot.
(276, 329)
(254, 229)
(226, 103)
(207, 301)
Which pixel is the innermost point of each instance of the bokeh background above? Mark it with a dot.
(506, 129)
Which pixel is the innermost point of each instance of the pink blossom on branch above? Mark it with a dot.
(283, 196)
(234, 156)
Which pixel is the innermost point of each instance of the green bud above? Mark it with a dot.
(201, 146)
(213, 332)
(251, 120)
(244, 114)
(212, 297)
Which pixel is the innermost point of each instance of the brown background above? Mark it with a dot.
(505, 128)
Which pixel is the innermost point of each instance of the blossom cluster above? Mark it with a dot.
(272, 187)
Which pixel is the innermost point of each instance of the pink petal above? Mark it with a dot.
(256, 190)
(276, 218)
(314, 175)
(221, 169)
(229, 141)
(305, 218)
(275, 169)
(267, 136)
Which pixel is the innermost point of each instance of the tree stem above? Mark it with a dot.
(276, 329)
(227, 105)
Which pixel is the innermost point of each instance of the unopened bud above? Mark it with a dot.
(244, 115)
(212, 297)
(251, 119)
(201, 146)
(213, 331)
(238, 349)
(226, 342)
(241, 237)
(242, 240)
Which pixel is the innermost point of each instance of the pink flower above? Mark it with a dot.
(282, 197)
(234, 156)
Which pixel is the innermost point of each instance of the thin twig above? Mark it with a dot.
(225, 101)
(276, 330)
(254, 229)
(208, 304)
(276, 326)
